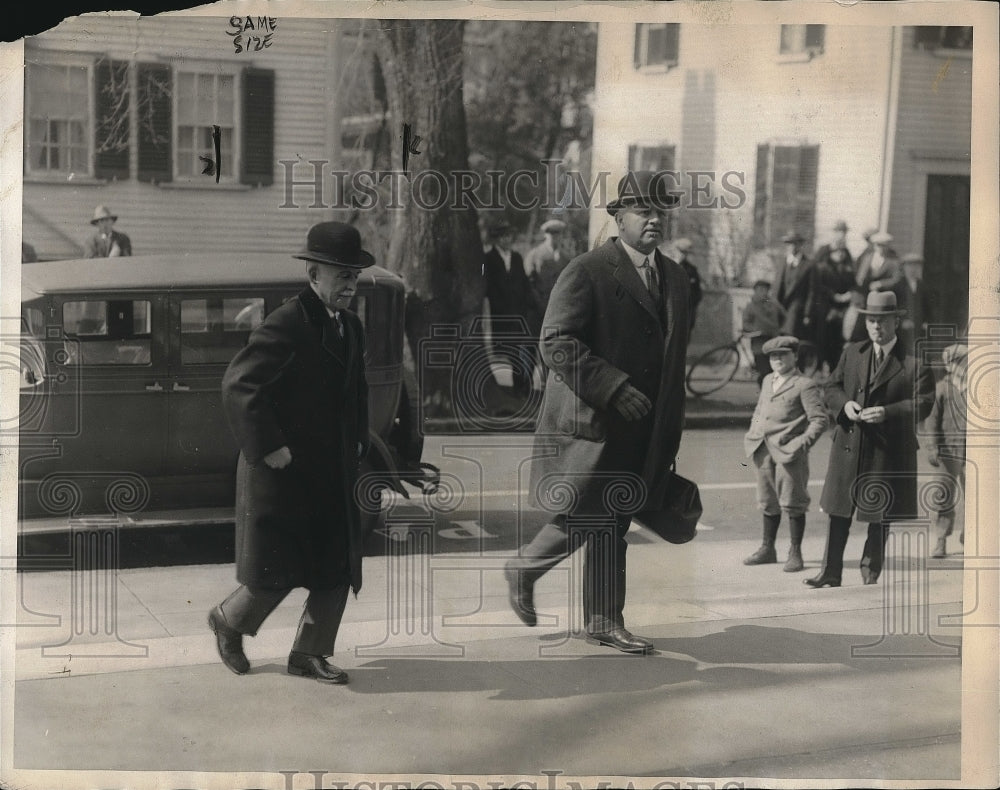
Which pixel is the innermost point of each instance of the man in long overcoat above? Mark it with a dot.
(878, 393)
(296, 399)
(615, 339)
(794, 288)
(512, 305)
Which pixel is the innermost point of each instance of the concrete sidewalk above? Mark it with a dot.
(754, 675)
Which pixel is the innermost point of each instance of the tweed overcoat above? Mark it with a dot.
(601, 330)
(788, 420)
(873, 466)
(297, 383)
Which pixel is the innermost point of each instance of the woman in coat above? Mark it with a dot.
(878, 393)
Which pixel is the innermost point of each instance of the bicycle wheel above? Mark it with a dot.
(713, 370)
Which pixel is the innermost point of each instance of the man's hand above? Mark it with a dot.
(630, 403)
(933, 458)
(873, 414)
(853, 410)
(279, 459)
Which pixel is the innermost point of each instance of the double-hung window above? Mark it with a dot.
(58, 118)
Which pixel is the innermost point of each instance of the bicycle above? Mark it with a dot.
(714, 369)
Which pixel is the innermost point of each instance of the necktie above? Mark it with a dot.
(650, 274)
(338, 324)
(878, 358)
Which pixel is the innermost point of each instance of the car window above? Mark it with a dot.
(107, 332)
(213, 330)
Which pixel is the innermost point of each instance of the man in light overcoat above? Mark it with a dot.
(878, 394)
(614, 344)
(296, 400)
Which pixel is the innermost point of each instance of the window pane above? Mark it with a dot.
(246, 313)
(194, 315)
(793, 38)
(107, 333)
(656, 51)
(213, 330)
(224, 102)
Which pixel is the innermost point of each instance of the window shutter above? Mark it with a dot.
(814, 37)
(637, 55)
(111, 119)
(258, 126)
(672, 36)
(805, 205)
(761, 202)
(155, 117)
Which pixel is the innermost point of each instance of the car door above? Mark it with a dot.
(207, 328)
(105, 404)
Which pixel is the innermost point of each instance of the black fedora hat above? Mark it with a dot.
(336, 243)
(644, 188)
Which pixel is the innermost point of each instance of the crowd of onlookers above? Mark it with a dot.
(817, 297)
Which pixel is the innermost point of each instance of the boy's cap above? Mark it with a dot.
(781, 344)
(762, 283)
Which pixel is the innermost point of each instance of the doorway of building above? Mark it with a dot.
(946, 248)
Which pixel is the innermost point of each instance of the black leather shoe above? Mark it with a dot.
(304, 665)
(229, 641)
(621, 639)
(824, 579)
(520, 594)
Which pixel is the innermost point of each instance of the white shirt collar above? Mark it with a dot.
(888, 347)
(637, 258)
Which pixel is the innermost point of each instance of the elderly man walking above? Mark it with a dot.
(297, 401)
(615, 338)
(879, 392)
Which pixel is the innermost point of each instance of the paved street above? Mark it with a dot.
(754, 674)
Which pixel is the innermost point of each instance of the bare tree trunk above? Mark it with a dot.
(437, 252)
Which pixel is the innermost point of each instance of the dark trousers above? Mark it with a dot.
(603, 567)
(873, 556)
(246, 609)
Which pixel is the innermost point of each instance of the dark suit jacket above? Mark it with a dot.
(873, 466)
(298, 384)
(510, 293)
(603, 329)
(99, 246)
(794, 290)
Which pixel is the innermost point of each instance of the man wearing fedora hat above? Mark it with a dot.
(878, 393)
(614, 342)
(296, 400)
(794, 287)
(106, 242)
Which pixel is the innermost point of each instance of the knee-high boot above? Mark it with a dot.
(766, 553)
(796, 529)
(833, 558)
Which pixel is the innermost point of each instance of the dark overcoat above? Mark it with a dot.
(795, 290)
(510, 293)
(873, 466)
(297, 383)
(602, 329)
